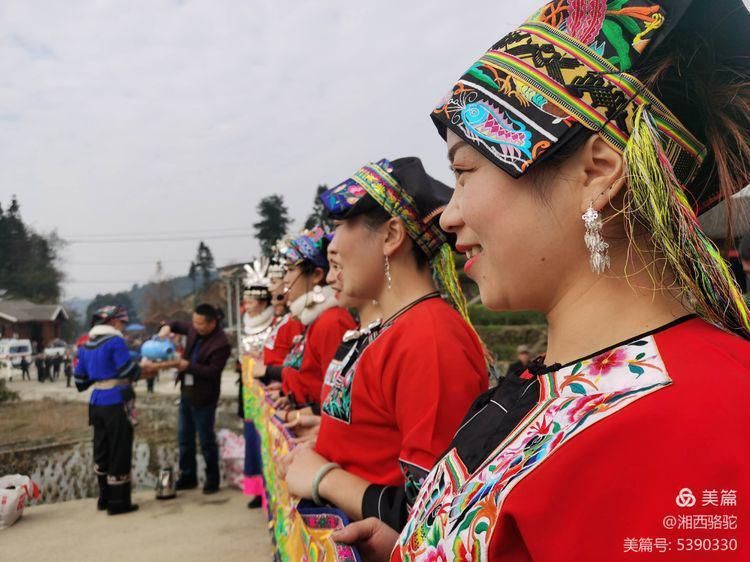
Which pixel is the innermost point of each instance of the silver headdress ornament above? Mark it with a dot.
(256, 278)
(277, 266)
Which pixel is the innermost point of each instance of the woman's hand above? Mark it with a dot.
(307, 438)
(303, 424)
(373, 538)
(302, 464)
(282, 403)
(274, 386)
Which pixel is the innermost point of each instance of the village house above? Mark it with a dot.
(40, 323)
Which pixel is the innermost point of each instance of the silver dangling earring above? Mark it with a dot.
(388, 278)
(594, 241)
(318, 297)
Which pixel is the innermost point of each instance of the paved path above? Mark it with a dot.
(192, 527)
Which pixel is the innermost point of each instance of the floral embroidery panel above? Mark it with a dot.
(455, 514)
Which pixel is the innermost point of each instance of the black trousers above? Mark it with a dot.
(113, 442)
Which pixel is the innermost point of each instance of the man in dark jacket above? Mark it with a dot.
(206, 353)
(39, 364)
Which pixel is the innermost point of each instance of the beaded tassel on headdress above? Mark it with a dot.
(659, 203)
(444, 273)
(444, 268)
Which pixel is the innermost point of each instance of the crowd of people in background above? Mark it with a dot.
(48, 367)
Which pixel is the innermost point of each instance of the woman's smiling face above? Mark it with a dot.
(518, 243)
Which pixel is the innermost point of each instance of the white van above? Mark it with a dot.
(12, 350)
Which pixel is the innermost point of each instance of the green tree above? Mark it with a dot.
(203, 267)
(273, 224)
(28, 260)
(319, 215)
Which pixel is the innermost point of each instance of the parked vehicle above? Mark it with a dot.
(12, 350)
(56, 347)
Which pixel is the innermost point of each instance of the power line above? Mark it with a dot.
(223, 229)
(171, 239)
(122, 263)
(110, 282)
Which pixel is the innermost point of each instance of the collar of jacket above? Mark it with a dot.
(104, 330)
(307, 310)
(259, 322)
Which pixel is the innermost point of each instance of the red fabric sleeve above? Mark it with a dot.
(283, 343)
(443, 371)
(323, 338)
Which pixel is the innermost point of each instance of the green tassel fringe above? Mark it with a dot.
(659, 203)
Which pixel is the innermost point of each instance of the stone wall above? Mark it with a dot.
(65, 471)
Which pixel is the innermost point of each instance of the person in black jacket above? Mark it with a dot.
(25, 369)
(523, 356)
(206, 353)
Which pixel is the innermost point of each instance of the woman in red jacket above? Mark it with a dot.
(585, 144)
(313, 303)
(284, 328)
(397, 397)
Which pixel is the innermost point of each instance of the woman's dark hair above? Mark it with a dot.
(210, 312)
(707, 86)
(374, 216)
(307, 267)
(710, 95)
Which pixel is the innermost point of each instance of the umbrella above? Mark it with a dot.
(714, 221)
(135, 328)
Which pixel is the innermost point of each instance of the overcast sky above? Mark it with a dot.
(172, 119)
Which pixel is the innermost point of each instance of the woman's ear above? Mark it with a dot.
(317, 276)
(602, 171)
(395, 236)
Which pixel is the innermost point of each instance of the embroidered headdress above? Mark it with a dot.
(405, 190)
(108, 313)
(578, 67)
(309, 245)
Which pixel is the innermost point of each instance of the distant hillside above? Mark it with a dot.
(77, 305)
(182, 287)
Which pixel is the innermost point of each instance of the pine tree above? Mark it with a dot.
(28, 260)
(203, 267)
(273, 224)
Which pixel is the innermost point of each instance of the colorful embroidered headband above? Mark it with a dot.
(377, 181)
(566, 66)
(571, 67)
(309, 245)
(405, 190)
(110, 312)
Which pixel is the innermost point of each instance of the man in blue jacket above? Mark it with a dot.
(104, 362)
